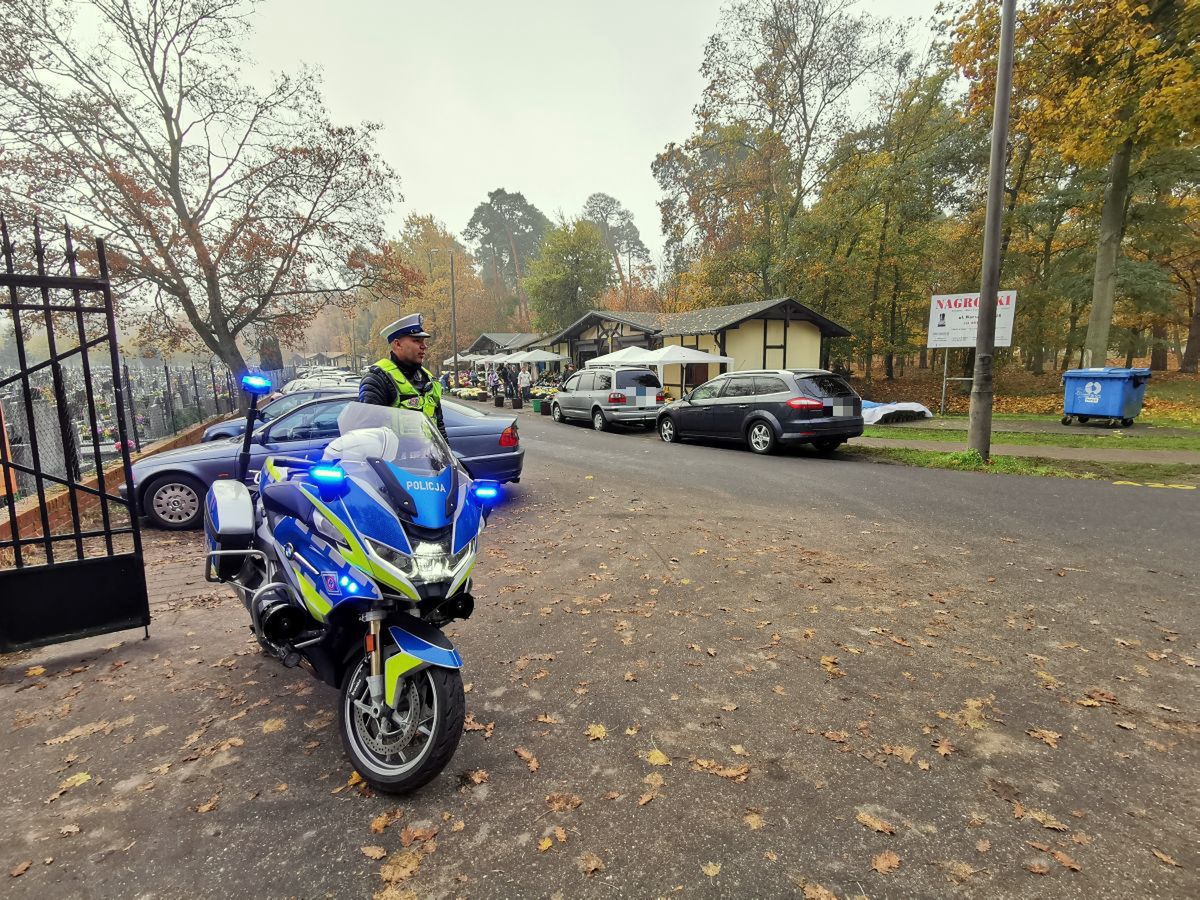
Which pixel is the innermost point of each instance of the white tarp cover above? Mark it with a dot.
(541, 356)
(675, 355)
(874, 413)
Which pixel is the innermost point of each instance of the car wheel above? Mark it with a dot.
(761, 437)
(174, 502)
(1127, 423)
(598, 421)
(667, 430)
(827, 445)
(1066, 420)
(556, 413)
(1083, 420)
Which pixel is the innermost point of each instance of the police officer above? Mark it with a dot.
(401, 380)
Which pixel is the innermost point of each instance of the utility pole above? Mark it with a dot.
(453, 318)
(979, 434)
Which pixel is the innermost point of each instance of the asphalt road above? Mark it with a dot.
(1120, 533)
(858, 685)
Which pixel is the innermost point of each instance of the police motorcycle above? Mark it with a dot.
(351, 565)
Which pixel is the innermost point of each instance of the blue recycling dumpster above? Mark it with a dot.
(1110, 393)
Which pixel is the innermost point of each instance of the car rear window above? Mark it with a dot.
(637, 379)
(826, 386)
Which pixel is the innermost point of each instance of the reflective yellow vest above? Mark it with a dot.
(407, 396)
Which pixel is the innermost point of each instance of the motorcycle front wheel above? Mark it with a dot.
(399, 752)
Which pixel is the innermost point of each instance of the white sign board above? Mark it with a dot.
(953, 319)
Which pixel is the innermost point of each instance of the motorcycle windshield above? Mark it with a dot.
(406, 438)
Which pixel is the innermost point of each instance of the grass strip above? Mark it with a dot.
(1108, 440)
(971, 461)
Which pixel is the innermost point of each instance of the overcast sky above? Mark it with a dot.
(553, 99)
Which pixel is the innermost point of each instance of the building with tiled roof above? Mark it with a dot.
(763, 334)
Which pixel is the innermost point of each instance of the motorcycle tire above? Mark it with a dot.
(440, 690)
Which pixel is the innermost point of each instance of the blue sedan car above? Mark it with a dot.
(169, 487)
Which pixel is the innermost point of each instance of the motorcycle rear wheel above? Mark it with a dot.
(398, 757)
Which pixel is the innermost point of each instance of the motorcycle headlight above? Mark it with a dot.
(429, 562)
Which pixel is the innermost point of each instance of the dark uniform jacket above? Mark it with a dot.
(377, 387)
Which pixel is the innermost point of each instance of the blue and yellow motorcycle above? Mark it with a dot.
(350, 565)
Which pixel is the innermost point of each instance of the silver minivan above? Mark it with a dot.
(626, 395)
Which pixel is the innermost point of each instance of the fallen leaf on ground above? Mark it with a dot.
(814, 891)
(478, 776)
(885, 862)
(959, 872)
(528, 758)
(560, 834)
(1049, 738)
(35, 671)
(596, 732)
(373, 852)
(647, 797)
(754, 820)
(711, 869)
(400, 865)
(589, 864)
(657, 758)
(1128, 726)
(836, 736)
(383, 820)
(20, 868)
(874, 823)
(1046, 820)
(733, 773)
(66, 784)
(983, 846)
(943, 747)
(563, 802)
(1065, 861)
(394, 892)
(272, 725)
(545, 844)
(905, 754)
(1162, 857)
(1038, 868)
(210, 804)
(739, 750)
(830, 665)
(549, 719)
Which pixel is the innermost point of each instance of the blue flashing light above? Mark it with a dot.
(258, 385)
(485, 490)
(327, 476)
(353, 588)
(344, 581)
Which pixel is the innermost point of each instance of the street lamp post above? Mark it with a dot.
(453, 307)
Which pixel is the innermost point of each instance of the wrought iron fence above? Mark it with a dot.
(159, 402)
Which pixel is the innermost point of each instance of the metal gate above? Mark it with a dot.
(70, 545)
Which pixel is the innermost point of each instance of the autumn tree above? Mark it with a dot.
(779, 76)
(227, 209)
(568, 277)
(507, 231)
(1105, 82)
(620, 234)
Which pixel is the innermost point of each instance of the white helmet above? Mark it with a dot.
(363, 443)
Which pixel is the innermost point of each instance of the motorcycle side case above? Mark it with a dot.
(228, 526)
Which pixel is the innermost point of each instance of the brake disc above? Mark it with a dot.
(393, 732)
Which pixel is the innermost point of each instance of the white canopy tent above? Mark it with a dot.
(518, 357)
(540, 356)
(624, 356)
(462, 358)
(672, 355)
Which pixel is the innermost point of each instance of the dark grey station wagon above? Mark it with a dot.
(768, 407)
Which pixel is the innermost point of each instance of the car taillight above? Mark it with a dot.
(614, 397)
(805, 403)
(659, 398)
(509, 437)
